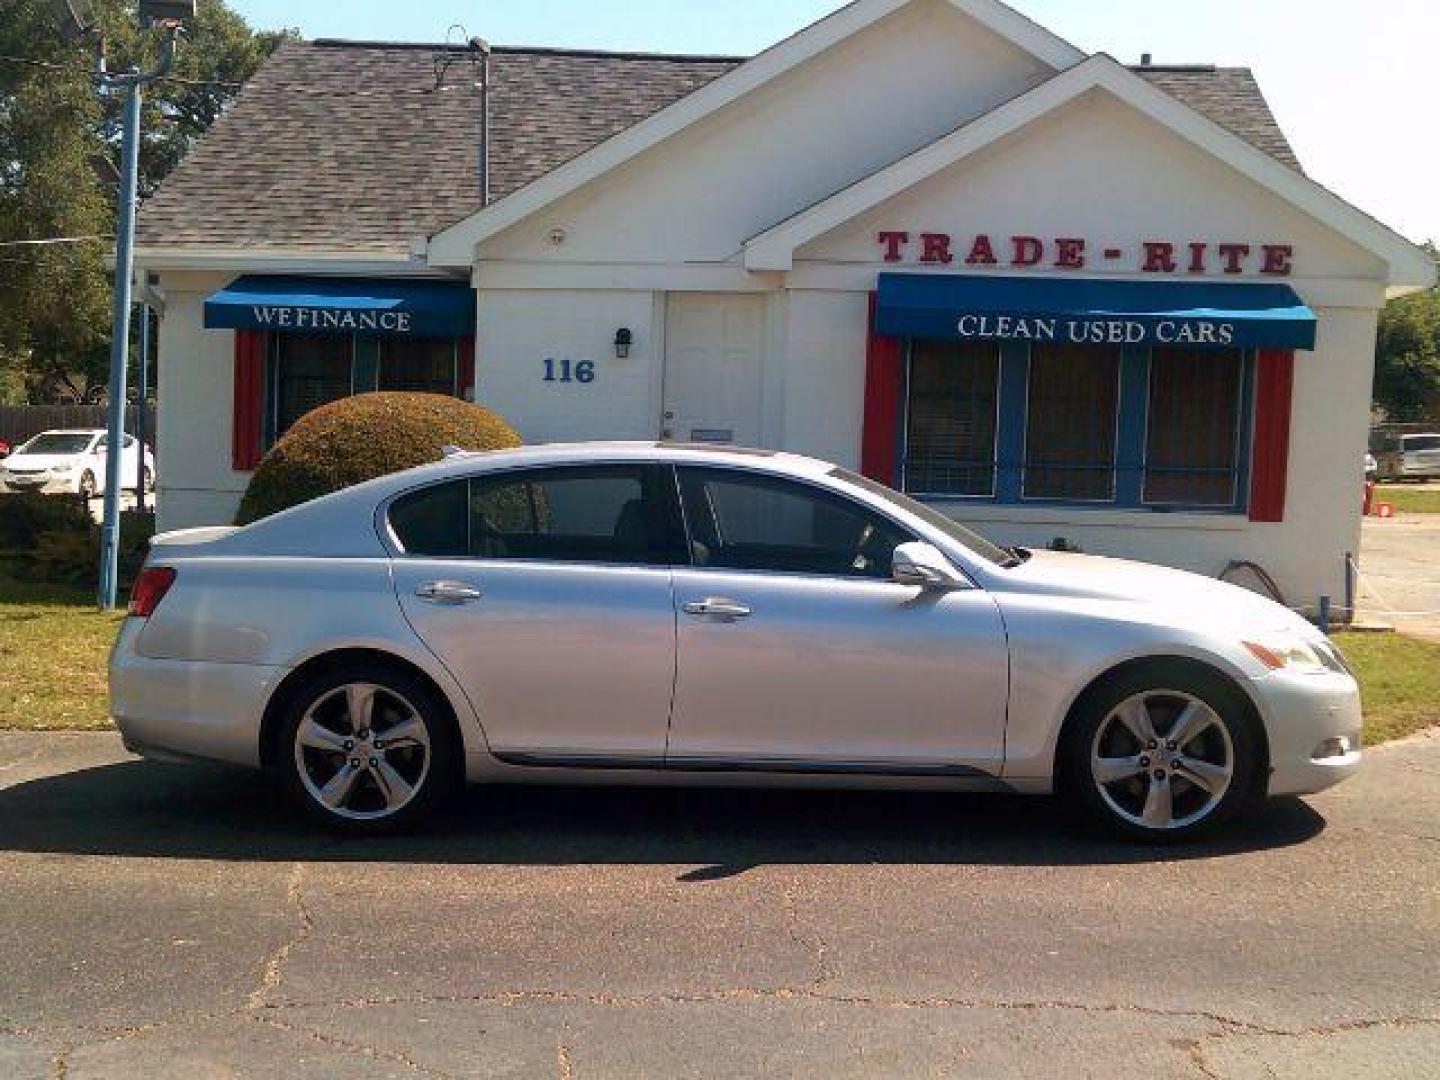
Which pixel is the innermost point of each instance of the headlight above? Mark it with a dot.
(1291, 654)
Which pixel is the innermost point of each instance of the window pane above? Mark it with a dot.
(1070, 422)
(950, 444)
(596, 514)
(1192, 445)
(433, 521)
(740, 522)
(420, 365)
(310, 370)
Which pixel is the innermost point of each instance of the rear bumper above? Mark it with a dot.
(1302, 712)
(180, 709)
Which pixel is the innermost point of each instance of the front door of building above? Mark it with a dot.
(713, 349)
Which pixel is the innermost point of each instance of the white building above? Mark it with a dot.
(1056, 296)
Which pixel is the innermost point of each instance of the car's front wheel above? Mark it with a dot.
(366, 751)
(1163, 754)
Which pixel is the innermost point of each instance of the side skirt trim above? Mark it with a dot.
(749, 765)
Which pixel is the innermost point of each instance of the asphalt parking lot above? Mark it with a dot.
(178, 921)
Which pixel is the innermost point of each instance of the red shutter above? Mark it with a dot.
(1270, 460)
(884, 386)
(246, 436)
(465, 377)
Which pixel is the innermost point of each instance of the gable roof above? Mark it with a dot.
(349, 147)
(454, 246)
(774, 249)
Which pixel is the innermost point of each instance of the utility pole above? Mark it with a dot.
(142, 426)
(169, 16)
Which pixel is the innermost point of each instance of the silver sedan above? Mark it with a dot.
(641, 613)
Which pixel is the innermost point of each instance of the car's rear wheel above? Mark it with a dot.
(366, 751)
(1162, 755)
(88, 487)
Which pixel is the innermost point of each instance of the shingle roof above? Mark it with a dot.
(350, 145)
(1229, 96)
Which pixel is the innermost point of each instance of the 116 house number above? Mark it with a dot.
(569, 371)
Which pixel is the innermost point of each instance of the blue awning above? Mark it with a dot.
(308, 305)
(1194, 313)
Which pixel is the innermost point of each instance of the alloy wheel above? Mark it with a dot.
(362, 752)
(1162, 760)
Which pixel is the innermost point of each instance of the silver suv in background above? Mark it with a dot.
(1409, 457)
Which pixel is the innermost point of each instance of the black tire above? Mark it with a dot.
(366, 811)
(1092, 740)
(147, 481)
(88, 487)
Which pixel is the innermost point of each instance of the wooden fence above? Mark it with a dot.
(20, 422)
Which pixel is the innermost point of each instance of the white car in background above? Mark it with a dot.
(73, 462)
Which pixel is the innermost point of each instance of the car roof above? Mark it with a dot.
(580, 453)
(341, 524)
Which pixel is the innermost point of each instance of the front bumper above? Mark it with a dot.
(1302, 712)
(43, 484)
(169, 709)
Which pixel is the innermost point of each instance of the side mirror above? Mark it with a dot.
(922, 566)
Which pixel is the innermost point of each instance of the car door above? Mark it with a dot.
(796, 649)
(94, 459)
(547, 594)
(130, 462)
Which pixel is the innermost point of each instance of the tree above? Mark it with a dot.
(1407, 357)
(56, 135)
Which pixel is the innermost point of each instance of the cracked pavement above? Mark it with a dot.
(181, 921)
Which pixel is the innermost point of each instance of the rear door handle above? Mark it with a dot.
(717, 607)
(448, 592)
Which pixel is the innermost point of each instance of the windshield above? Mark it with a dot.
(1421, 442)
(57, 442)
(966, 538)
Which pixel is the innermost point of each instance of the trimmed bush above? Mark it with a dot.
(52, 540)
(359, 438)
(24, 517)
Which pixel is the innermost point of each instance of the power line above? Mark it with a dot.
(75, 69)
(52, 240)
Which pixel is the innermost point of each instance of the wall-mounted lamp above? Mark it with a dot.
(623, 340)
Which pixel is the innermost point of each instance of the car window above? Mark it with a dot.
(434, 521)
(129, 441)
(1421, 442)
(966, 538)
(741, 521)
(56, 443)
(616, 514)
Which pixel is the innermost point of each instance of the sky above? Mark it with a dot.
(1352, 84)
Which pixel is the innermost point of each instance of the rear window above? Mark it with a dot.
(1421, 442)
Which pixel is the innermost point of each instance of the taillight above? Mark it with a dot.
(150, 588)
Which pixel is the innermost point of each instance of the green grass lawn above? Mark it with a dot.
(53, 647)
(1409, 498)
(1399, 681)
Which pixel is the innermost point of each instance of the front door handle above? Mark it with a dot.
(717, 607)
(448, 592)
